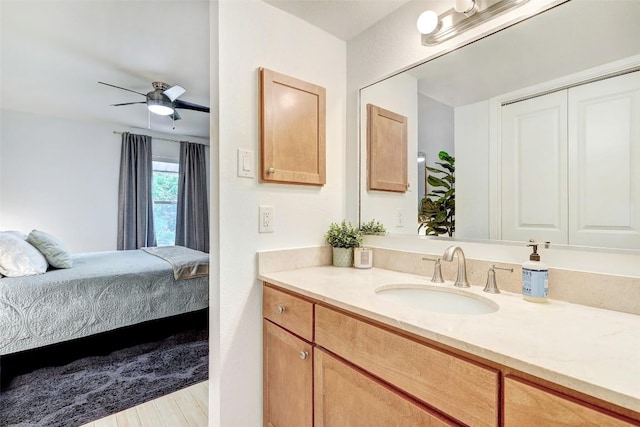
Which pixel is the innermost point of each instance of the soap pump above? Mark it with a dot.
(535, 277)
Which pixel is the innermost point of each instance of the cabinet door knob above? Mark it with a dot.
(303, 355)
(280, 309)
(271, 170)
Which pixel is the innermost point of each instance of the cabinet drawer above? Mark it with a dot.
(288, 311)
(465, 391)
(529, 405)
(345, 396)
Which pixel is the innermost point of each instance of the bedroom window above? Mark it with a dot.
(165, 201)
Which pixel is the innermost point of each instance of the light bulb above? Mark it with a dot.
(468, 7)
(428, 22)
(161, 110)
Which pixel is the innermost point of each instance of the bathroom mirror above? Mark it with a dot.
(453, 104)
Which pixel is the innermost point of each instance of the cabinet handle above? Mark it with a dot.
(280, 309)
(271, 171)
(303, 355)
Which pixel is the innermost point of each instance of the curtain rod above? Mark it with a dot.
(117, 132)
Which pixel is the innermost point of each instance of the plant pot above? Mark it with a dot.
(342, 257)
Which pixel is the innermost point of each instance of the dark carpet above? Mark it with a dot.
(95, 386)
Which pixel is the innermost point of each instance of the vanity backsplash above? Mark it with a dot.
(612, 292)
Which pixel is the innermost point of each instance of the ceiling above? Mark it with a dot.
(344, 19)
(54, 53)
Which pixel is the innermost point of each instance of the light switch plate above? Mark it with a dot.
(246, 166)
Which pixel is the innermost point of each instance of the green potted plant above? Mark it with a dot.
(438, 207)
(343, 238)
(373, 227)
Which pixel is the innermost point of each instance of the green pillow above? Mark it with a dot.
(53, 249)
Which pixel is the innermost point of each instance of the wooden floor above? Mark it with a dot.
(183, 408)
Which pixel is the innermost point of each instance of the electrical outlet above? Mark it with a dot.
(399, 219)
(266, 219)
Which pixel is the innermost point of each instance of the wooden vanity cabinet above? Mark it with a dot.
(346, 396)
(287, 360)
(325, 367)
(462, 390)
(527, 404)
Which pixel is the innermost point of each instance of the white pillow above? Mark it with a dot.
(19, 234)
(53, 249)
(19, 258)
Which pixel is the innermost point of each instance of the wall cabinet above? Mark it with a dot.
(569, 165)
(325, 367)
(386, 150)
(292, 130)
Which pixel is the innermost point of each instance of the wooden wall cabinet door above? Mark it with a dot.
(288, 379)
(386, 150)
(529, 405)
(292, 130)
(345, 396)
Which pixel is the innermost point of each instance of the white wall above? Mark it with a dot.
(61, 176)
(435, 134)
(400, 95)
(472, 175)
(253, 34)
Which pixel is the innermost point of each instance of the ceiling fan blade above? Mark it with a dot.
(123, 88)
(190, 106)
(175, 115)
(128, 103)
(174, 92)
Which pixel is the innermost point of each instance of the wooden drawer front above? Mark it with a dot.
(345, 396)
(288, 311)
(529, 405)
(288, 379)
(463, 390)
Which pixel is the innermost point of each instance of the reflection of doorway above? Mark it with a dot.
(435, 134)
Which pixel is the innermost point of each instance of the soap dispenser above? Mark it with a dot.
(535, 277)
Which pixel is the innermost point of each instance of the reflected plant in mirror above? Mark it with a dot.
(438, 207)
(373, 227)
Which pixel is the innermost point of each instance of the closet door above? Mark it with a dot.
(604, 163)
(534, 169)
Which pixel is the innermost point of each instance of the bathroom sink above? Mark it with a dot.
(436, 299)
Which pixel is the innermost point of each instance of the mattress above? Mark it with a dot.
(101, 292)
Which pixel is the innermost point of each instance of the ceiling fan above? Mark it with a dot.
(163, 100)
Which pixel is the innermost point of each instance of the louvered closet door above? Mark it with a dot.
(533, 168)
(604, 163)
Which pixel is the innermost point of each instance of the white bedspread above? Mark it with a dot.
(101, 292)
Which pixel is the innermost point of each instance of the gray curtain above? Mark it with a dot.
(135, 201)
(192, 219)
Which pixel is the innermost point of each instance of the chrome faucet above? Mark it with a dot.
(461, 280)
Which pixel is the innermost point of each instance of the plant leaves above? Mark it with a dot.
(434, 181)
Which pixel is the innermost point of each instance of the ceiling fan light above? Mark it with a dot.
(160, 107)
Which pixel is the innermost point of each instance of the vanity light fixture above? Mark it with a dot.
(465, 15)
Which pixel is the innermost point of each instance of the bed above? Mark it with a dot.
(103, 291)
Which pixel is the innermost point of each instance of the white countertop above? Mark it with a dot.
(594, 351)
